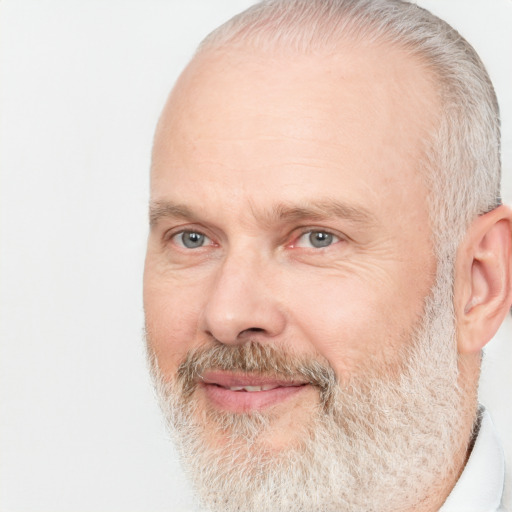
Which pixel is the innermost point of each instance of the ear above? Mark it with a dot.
(483, 279)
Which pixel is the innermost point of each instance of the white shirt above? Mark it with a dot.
(480, 486)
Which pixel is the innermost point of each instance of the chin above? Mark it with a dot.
(341, 449)
(262, 432)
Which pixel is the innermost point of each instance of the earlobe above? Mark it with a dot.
(483, 279)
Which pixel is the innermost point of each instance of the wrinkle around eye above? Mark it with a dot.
(174, 255)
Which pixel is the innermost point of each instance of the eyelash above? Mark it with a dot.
(173, 236)
(331, 238)
(334, 238)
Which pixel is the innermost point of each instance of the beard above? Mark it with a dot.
(384, 441)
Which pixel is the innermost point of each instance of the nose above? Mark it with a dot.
(241, 304)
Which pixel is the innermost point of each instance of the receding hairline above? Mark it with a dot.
(462, 165)
(244, 52)
(308, 27)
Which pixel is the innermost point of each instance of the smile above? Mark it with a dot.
(252, 389)
(245, 393)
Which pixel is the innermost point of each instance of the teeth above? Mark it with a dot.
(252, 388)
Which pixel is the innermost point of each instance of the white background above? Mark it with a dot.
(81, 85)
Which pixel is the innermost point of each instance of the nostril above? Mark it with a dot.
(251, 330)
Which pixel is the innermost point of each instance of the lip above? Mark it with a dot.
(216, 386)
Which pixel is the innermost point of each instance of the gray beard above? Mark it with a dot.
(382, 442)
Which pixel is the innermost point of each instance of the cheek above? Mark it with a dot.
(341, 327)
(355, 324)
(172, 316)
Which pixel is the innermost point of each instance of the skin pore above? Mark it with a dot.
(288, 211)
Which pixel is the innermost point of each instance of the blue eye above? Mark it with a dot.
(191, 239)
(316, 239)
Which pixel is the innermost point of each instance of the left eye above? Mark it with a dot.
(191, 239)
(316, 239)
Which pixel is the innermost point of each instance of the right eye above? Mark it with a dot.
(191, 239)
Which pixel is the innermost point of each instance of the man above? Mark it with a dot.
(328, 256)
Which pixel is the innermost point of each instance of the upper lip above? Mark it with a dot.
(229, 380)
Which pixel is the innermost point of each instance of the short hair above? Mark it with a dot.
(462, 164)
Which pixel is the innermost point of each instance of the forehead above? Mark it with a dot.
(258, 122)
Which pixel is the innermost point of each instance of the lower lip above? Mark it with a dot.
(245, 401)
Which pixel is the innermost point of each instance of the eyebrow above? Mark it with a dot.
(282, 212)
(321, 210)
(166, 209)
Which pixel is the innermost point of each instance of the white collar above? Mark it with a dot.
(480, 486)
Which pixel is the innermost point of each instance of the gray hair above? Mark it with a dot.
(462, 162)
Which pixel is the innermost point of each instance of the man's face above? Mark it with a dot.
(289, 213)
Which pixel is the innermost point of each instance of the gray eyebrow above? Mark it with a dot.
(282, 212)
(166, 209)
(321, 210)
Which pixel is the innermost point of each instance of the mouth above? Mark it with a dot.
(246, 393)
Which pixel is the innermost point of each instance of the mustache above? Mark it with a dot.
(254, 357)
